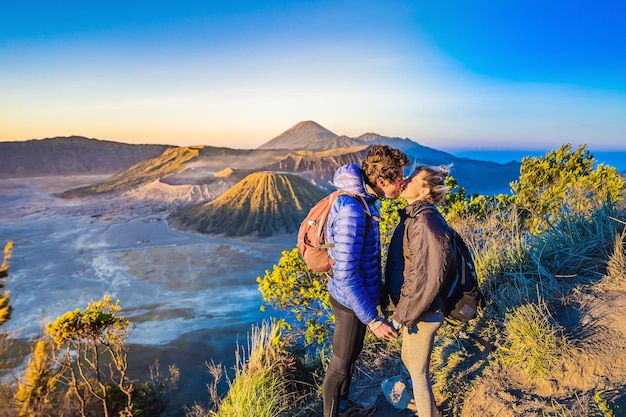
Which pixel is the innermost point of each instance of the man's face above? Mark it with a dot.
(393, 188)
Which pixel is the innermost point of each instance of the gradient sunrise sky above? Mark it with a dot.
(489, 74)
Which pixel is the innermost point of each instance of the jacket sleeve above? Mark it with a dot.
(426, 258)
(348, 276)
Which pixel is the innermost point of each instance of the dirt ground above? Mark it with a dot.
(595, 320)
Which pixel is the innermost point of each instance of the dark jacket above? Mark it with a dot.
(418, 262)
(357, 277)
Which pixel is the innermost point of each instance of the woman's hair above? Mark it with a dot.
(383, 161)
(435, 179)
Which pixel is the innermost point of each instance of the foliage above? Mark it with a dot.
(79, 367)
(34, 394)
(5, 307)
(564, 181)
(576, 245)
(389, 219)
(89, 349)
(458, 204)
(150, 397)
(603, 404)
(534, 340)
(293, 287)
(263, 381)
(516, 267)
(8, 250)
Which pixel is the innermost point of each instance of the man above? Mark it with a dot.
(356, 284)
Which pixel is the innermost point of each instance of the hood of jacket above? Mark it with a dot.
(350, 178)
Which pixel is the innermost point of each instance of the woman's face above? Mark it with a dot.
(416, 188)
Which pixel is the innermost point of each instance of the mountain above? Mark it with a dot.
(317, 159)
(168, 162)
(262, 204)
(319, 167)
(309, 141)
(71, 155)
(212, 167)
(217, 169)
(311, 136)
(195, 177)
(303, 135)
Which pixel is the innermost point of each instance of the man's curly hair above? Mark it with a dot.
(383, 161)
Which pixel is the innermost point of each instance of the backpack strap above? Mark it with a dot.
(368, 213)
(363, 204)
(333, 199)
(428, 209)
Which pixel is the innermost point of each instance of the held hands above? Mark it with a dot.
(382, 329)
(386, 331)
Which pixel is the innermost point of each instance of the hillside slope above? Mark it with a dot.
(74, 155)
(142, 173)
(262, 204)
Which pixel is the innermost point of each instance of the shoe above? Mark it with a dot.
(355, 410)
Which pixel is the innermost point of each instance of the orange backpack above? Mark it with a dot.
(311, 234)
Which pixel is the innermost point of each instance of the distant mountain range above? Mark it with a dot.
(73, 155)
(205, 185)
(311, 136)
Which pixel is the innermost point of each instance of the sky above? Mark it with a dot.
(479, 74)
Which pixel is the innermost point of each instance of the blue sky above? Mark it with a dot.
(447, 74)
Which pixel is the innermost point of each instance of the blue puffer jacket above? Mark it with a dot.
(356, 282)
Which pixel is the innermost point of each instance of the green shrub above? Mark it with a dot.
(291, 286)
(564, 180)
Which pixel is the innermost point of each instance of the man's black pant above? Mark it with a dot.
(347, 345)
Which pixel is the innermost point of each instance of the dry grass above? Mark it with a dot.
(524, 278)
(535, 341)
(264, 382)
(616, 267)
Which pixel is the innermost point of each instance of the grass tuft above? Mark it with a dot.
(534, 340)
(263, 383)
(616, 266)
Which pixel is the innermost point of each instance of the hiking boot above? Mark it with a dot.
(356, 410)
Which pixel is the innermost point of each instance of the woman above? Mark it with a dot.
(419, 259)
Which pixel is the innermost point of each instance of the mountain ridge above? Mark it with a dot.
(196, 183)
(70, 155)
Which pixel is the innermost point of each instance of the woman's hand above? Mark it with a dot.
(385, 331)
